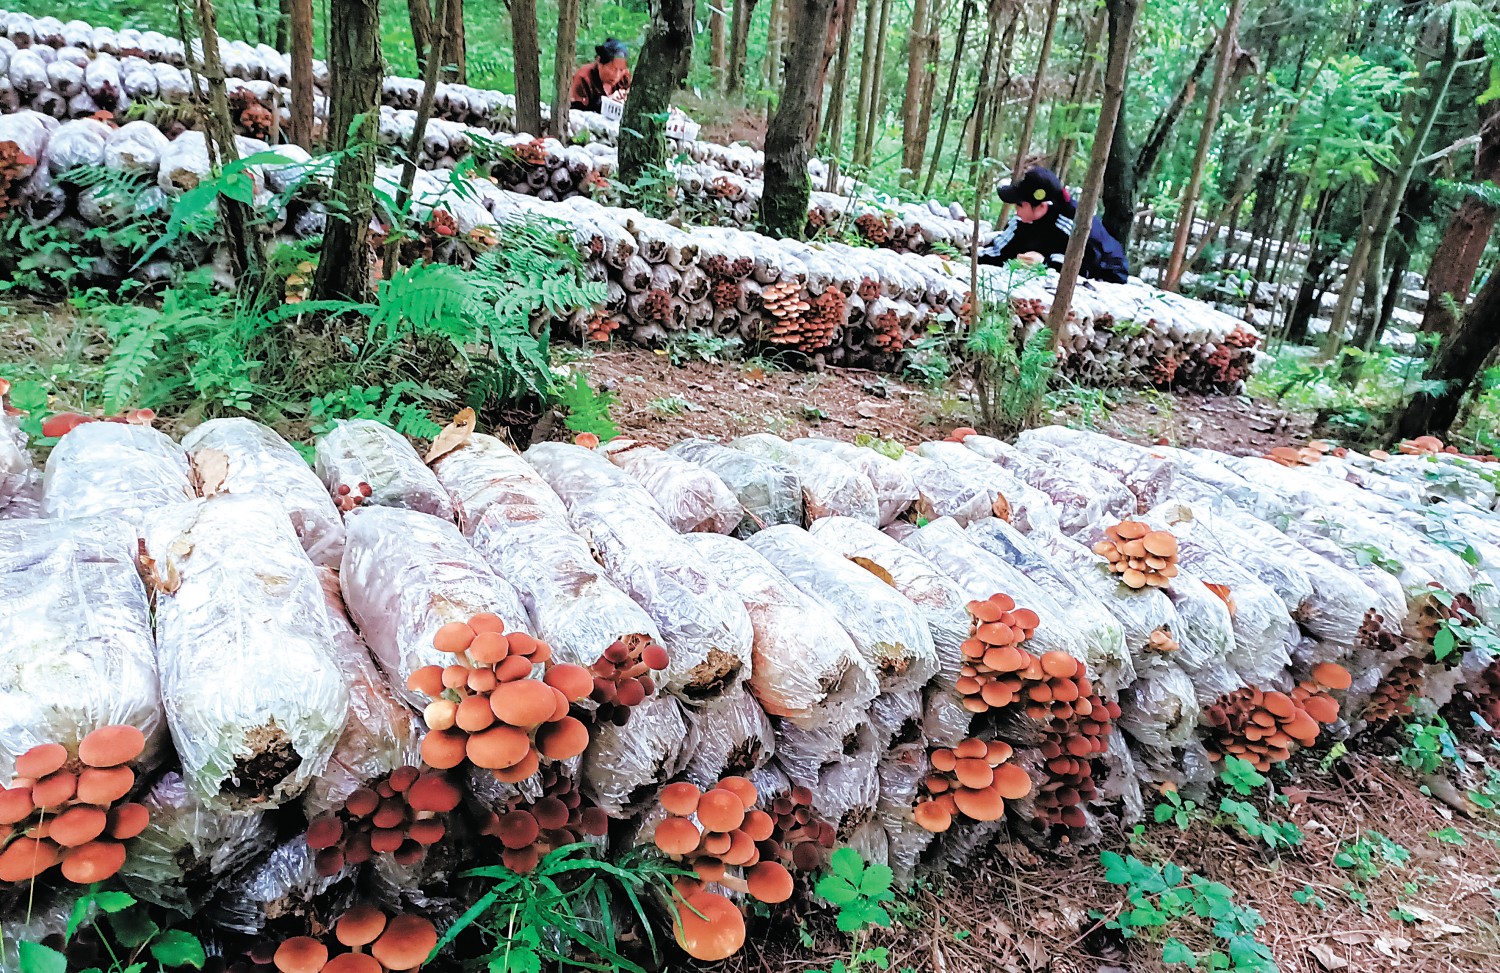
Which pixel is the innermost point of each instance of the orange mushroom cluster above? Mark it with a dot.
(1070, 778)
(794, 325)
(1433, 611)
(973, 779)
(65, 422)
(375, 943)
(489, 710)
(1160, 640)
(622, 677)
(69, 810)
(346, 498)
(1264, 727)
(527, 830)
(13, 163)
(1392, 698)
(801, 839)
(1307, 455)
(400, 815)
(995, 668)
(600, 326)
(1139, 555)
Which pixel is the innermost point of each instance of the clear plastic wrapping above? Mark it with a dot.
(888, 630)
(839, 764)
(574, 608)
(693, 497)
(381, 732)
(920, 581)
(733, 736)
(830, 487)
(281, 885)
(1148, 472)
(625, 766)
(76, 647)
(901, 770)
(1160, 709)
(1205, 639)
(770, 493)
(484, 471)
(254, 720)
(114, 468)
(406, 575)
(703, 625)
(20, 480)
(259, 461)
(188, 849)
(894, 490)
(1011, 496)
(1082, 494)
(1139, 611)
(945, 722)
(581, 476)
(359, 453)
(945, 492)
(1442, 478)
(805, 667)
(1109, 661)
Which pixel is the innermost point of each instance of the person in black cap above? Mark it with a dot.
(607, 76)
(1039, 230)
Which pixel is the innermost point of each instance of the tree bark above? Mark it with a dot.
(1161, 131)
(958, 57)
(1457, 257)
(420, 16)
(564, 64)
(356, 67)
(794, 126)
(1122, 22)
(303, 122)
(771, 70)
(419, 130)
(739, 40)
(921, 39)
(718, 29)
(833, 127)
(1029, 126)
(1318, 262)
(1457, 363)
(659, 74)
(1083, 86)
(456, 47)
(1001, 90)
(1117, 195)
(1228, 42)
(244, 244)
(866, 79)
(526, 47)
(877, 86)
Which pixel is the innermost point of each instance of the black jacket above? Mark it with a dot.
(1103, 259)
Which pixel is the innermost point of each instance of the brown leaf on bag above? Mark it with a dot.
(454, 435)
(211, 466)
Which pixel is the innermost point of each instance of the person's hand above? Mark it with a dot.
(1031, 258)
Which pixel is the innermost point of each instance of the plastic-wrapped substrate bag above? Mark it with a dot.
(830, 487)
(20, 480)
(254, 459)
(76, 649)
(1082, 494)
(580, 475)
(255, 716)
(114, 468)
(805, 667)
(693, 497)
(734, 736)
(406, 575)
(484, 471)
(1209, 535)
(839, 764)
(888, 630)
(894, 489)
(703, 625)
(945, 492)
(1148, 472)
(769, 493)
(625, 766)
(360, 453)
(1011, 496)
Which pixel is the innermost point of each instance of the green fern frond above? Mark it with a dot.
(587, 410)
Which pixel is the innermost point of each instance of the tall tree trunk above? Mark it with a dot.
(283, 41)
(420, 15)
(920, 41)
(1228, 44)
(718, 30)
(771, 70)
(526, 47)
(833, 126)
(244, 244)
(877, 87)
(739, 42)
(1161, 130)
(1451, 272)
(866, 79)
(794, 127)
(1457, 364)
(1117, 194)
(1122, 22)
(659, 73)
(356, 69)
(1001, 90)
(983, 91)
(564, 64)
(303, 122)
(1023, 148)
(1318, 262)
(1083, 87)
(958, 58)
(456, 46)
(419, 131)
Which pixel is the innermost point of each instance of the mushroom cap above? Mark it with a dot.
(982, 805)
(15, 805)
(563, 740)
(985, 611)
(574, 682)
(427, 680)
(104, 785)
(406, 943)
(514, 668)
(489, 648)
(496, 748)
(1025, 618)
(680, 798)
(443, 749)
(974, 773)
(301, 954)
(521, 860)
(93, 862)
(1161, 543)
(1059, 665)
(943, 761)
(677, 836)
(526, 767)
(770, 882)
(455, 637)
(353, 963)
(427, 833)
(474, 714)
(1333, 675)
(26, 857)
(324, 831)
(524, 703)
(759, 825)
(708, 927)
(363, 801)
(1324, 709)
(1012, 782)
(434, 792)
(721, 810)
(741, 788)
(655, 657)
(932, 816)
(550, 813)
(41, 760)
(54, 790)
(970, 748)
(127, 821)
(440, 714)
(110, 746)
(487, 622)
(518, 829)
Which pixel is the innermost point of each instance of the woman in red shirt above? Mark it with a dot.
(601, 78)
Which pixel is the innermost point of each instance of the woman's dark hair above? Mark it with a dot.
(610, 49)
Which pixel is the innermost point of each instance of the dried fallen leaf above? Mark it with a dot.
(1326, 957)
(454, 435)
(212, 468)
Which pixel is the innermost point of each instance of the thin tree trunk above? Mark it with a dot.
(1318, 262)
(739, 41)
(283, 40)
(564, 64)
(1228, 43)
(1122, 21)
(659, 74)
(1001, 90)
(1161, 131)
(456, 47)
(1117, 198)
(303, 122)
(794, 126)
(718, 30)
(526, 46)
(877, 87)
(244, 244)
(1454, 263)
(982, 91)
(1394, 282)
(833, 126)
(1457, 363)
(1029, 126)
(958, 59)
(771, 70)
(866, 79)
(920, 40)
(356, 68)
(420, 15)
(1083, 86)
(419, 131)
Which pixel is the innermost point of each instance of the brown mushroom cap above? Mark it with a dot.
(301, 954)
(487, 622)
(721, 810)
(526, 767)
(1059, 665)
(54, 790)
(708, 927)
(1333, 675)
(104, 785)
(1161, 543)
(324, 831)
(496, 748)
(1012, 782)
(25, 858)
(1324, 709)
(93, 862)
(974, 773)
(770, 882)
(110, 746)
(759, 825)
(933, 817)
(741, 788)
(677, 836)
(574, 682)
(474, 714)
(406, 943)
(680, 798)
(563, 740)
(427, 680)
(455, 637)
(524, 703)
(518, 829)
(354, 963)
(444, 749)
(985, 805)
(489, 648)
(41, 760)
(78, 825)
(127, 821)
(15, 805)
(434, 792)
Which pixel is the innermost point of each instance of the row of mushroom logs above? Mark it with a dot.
(973, 779)
(527, 829)
(69, 810)
(489, 710)
(1139, 555)
(1264, 727)
(400, 815)
(375, 943)
(729, 833)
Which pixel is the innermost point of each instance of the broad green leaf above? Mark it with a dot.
(36, 958)
(847, 864)
(877, 879)
(178, 948)
(1175, 951)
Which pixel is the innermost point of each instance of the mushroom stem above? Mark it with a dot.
(734, 884)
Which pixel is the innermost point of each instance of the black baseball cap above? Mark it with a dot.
(1038, 185)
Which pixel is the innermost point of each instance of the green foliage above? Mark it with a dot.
(1175, 808)
(890, 448)
(1240, 775)
(126, 934)
(703, 346)
(861, 891)
(1448, 836)
(560, 909)
(668, 405)
(1308, 896)
(1432, 745)
(586, 410)
(1364, 856)
(1010, 376)
(1300, 378)
(1247, 818)
(928, 361)
(195, 212)
(406, 407)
